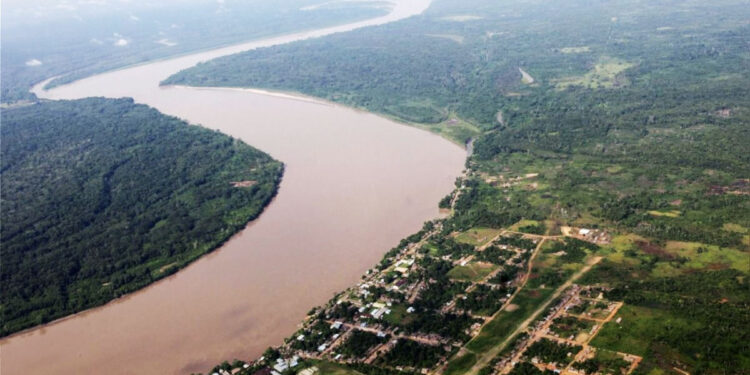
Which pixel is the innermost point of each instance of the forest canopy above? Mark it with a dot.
(102, 197)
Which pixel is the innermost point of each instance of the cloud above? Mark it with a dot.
(96, 41)
(121, 42)
(33, 62)
(134, 18)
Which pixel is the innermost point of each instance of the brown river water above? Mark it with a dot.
(355, 184)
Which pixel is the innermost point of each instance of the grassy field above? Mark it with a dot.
(478, 236)
(329, 368)
(604, 75)
(499, 328)
(461, 365)
(398, 315)
(474, 271)
(709, 256)
(523, 223)
(670, 213)
(639, 327)
(578, 330)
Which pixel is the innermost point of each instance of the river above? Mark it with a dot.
(354, 185)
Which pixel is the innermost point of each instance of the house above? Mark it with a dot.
(322, 348)
(336, 325)
(308, 371)
(280, 365)
(410, 310)
(377, 313)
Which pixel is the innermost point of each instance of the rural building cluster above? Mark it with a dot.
(431, 296)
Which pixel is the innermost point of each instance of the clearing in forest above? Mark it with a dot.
(568, 50)
(456, 38)
(606, 74)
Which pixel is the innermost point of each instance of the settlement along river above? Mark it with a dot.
(354, 185)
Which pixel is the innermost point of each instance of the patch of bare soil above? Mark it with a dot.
(738, 187)
(652, 249)
(724, 113)
(246, 183)
(717, 266)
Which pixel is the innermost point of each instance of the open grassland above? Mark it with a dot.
(478, 236)
(604, 75)
(474, 271)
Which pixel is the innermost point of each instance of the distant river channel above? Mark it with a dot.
(354, 185)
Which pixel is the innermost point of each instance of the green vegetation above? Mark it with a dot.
(525, 368)
(461, 364)
(501, 327)
(605, 74)
(478, 236)
(549, 351)
(359, 343)
(102, 197)
(699, 319)
(483, 300)
(474, 271)
(567, 326)
(412, 354)
(604, 362)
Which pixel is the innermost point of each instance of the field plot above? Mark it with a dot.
(605, 74)
(478, 236)
(474, 271)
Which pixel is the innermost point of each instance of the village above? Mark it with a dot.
(432, 295)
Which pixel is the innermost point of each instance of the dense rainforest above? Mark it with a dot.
(89, 38)
(101, 197)
(623, 116)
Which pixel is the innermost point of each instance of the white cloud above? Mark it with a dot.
(96, 41)
(134, 18)
(33, 62)
(121, 42)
